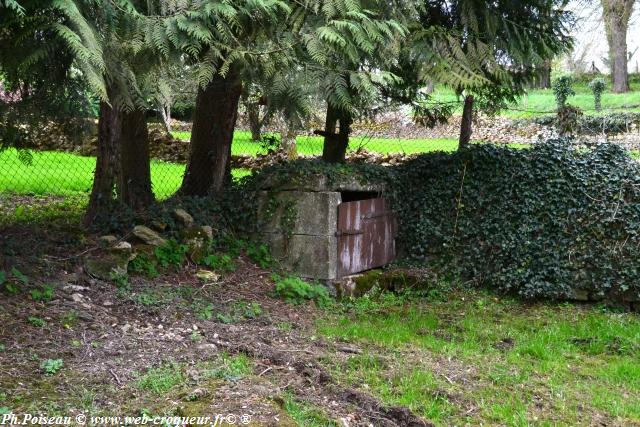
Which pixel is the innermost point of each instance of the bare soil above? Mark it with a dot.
(108, 338)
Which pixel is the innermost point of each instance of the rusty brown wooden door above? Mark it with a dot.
(366, 235)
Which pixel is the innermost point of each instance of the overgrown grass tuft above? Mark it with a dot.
(506, 363)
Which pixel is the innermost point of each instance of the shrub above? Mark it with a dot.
(294, 290)
(542, 222)
(597, 86)
(562, 90)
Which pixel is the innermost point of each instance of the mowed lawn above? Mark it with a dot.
(542, 101)
(312, 145)
(56, 173)
(59, 173)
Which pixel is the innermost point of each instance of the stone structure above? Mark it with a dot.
(300, 222)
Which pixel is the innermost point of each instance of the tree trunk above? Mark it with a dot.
(288, 139)
(122, 165)
(165, 115)
(335, 144)
(542, 79)
(208, 169)
(253, 117)
(616, 14)
(466, 122)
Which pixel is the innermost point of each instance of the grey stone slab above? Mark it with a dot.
(309, 213)
(308, 256)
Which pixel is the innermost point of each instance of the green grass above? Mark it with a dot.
(312, 145)
(541, 101)
(305, 415)
(514, 364)
(57, 173)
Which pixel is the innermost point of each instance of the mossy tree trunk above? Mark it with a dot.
(122, 171)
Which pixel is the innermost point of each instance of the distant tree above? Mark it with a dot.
(616, 15)
(489, 52)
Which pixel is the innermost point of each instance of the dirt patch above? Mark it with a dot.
(109, 338)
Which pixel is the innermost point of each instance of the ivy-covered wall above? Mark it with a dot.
(551, 221)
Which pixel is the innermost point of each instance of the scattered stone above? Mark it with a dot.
(207, 347)
(107, 303)
(77, 297)
(148, 236)
(74, 288)
(183, 218)
(125, 328)
(207, 276)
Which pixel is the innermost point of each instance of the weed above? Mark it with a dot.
(2, 347)
(13, 286)
(17, 274)
(4, 410)
(285, 326)
(259, 254)
(149, 298)
(224, 318)
(233, 368)
(162, 379)
(36, 321)
(69, 319)
(240, 310)
(51, 366)
(195, 336)
(294, 290)
(221, 262)
(44, 293)
(171, 253)
(142, 264)
(121, 280)
(203, 311)
(305, 415)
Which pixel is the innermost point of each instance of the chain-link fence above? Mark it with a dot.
(62, 169)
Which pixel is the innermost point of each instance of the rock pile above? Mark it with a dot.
(112, 256)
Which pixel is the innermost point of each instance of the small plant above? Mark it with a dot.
(203, 312)
(171, 253)
(232, 368)
(294, 290)
(36, 321)
(597, 86)
(195, 336)
(259, 254)
(51, 366)
(142, 264)
(69, 319)
(121, 280)
(42, 294)
(2, 347)
(562, 89)
(162, 379)
(12, 286)
(149, 298)
(4, 410)
(220, 262)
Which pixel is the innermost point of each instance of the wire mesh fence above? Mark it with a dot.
(63, 171)
(60, 173)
